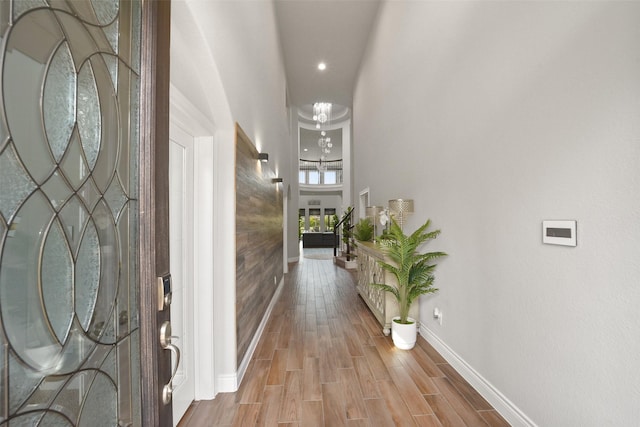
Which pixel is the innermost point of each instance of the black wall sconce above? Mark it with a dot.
(263, 157)
(276, 180)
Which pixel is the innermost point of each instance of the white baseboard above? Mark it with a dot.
(294, 259)
(499, 401)
(226, 384)
(242, 369)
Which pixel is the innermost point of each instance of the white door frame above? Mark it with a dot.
(184, 115)
(181, 212)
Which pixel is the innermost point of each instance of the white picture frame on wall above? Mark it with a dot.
(560, 232)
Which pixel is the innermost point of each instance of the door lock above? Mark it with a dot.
(164, 292)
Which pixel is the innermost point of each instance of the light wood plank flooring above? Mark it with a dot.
(323, 361)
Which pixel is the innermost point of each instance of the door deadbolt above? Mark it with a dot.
(164, 292)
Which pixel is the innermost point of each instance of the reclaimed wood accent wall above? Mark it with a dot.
(259, 244)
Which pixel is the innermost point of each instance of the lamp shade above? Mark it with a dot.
(400, 208)
(373, 211)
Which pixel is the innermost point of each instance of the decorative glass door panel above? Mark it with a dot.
(69, 333)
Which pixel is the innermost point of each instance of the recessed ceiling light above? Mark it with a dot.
(322, 66)
(306, 149)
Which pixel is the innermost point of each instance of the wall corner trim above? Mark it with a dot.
(499, 401)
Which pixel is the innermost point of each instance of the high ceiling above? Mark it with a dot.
(331, 31)
(336, 33)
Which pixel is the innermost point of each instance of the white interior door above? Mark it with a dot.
(181, 248)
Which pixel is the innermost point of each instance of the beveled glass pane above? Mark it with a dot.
(69, 401)
(105, 10)
(123, 380)
(27, 420)
(103, 317)
(57, 281)
(22, 6)
(89, 120)
(134, 130)
(109, 153)
(46, 392)
(57, 190)
(73, 165)
(76, 350)
(60, 100)
(87, 275)
(73, 217)
(135, 377)
(109, 332)
(82, 45)
(51, 419)
(15, 184)
(136, 32)
(111, 33)
(89, 194)
(130, 212)
(99, 407)
(97, 357)
(23, 73)
(126, 302)
(23, 315)
(115, 197)
(68, 267)
(109, 365)
(112, 65)
(22, 382)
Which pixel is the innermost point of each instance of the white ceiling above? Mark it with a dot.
(335, 32)
(331, 31)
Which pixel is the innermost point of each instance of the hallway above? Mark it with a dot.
(323, 361)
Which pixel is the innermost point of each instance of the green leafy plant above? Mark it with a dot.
(412, 270)
(363, 230)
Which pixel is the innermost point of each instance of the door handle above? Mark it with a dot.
(165, 343)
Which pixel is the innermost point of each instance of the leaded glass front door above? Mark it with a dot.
(69, 138)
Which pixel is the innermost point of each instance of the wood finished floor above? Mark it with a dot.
(323, 361)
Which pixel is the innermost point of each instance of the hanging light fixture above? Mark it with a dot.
(322, 113)
(322, 117)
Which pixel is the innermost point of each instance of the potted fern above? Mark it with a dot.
(413, 272)
(363, 230)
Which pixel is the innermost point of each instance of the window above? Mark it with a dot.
(330, 218)
(314, 219)
(314, 178)
(330, 177)
(301, 218)
(302, 179)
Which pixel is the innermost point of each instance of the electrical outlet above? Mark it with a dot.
(437, 314)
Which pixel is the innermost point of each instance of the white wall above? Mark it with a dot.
(494, 116)
(226, 61)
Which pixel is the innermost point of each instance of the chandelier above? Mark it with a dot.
(321, 113)
(324, 142)
(322, 117)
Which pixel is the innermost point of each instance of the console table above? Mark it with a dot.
(382, 304)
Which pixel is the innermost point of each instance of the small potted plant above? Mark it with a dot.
(413, 272)
(363, 231)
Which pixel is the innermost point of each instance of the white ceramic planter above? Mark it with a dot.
(404, 336)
